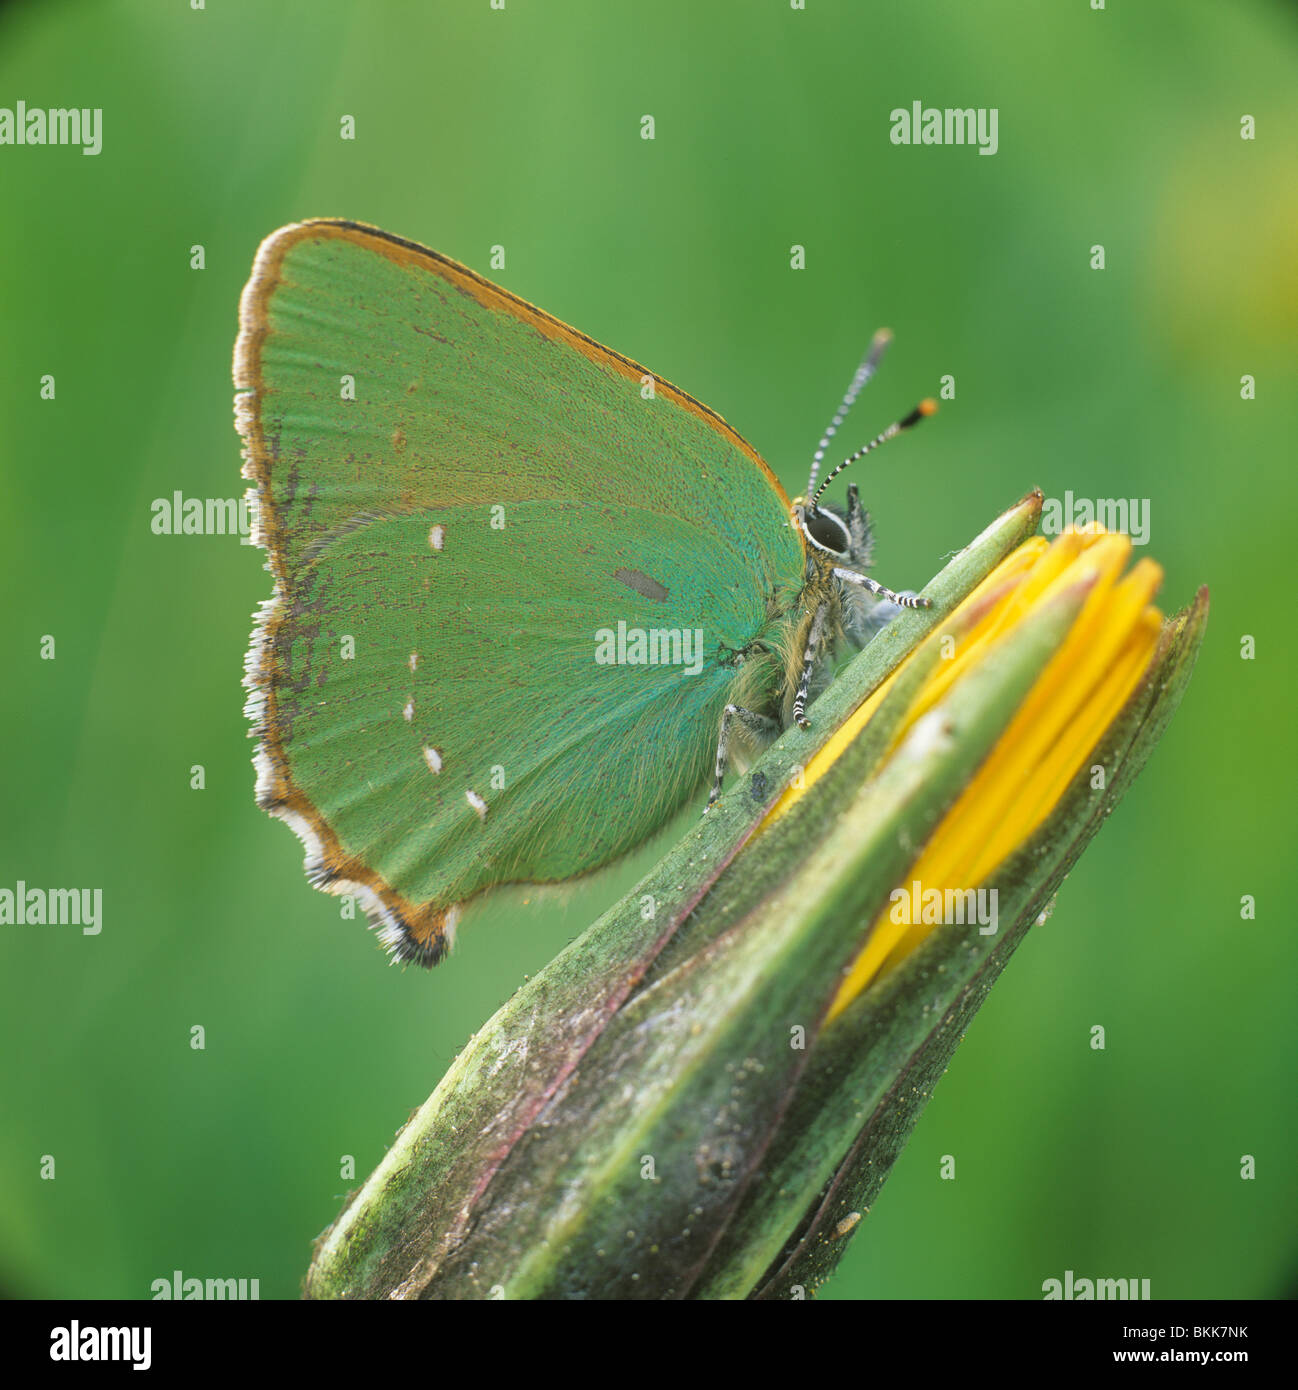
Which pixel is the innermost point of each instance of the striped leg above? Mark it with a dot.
(901, 600)
(758, 723)
(809, 665)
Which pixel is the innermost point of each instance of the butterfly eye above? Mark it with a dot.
(828, 529)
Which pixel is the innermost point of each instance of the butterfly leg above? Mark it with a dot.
(758, 723)
(901, 600)
(809, 665)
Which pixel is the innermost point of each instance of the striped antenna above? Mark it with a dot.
(926, 407)
(869, 365)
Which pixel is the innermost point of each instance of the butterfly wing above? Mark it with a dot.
(470, 512)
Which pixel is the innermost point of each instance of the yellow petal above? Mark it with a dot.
(1064, 716)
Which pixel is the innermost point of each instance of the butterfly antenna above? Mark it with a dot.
(925, 408)
(869, 365)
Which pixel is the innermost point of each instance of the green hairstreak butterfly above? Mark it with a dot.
(523, 589)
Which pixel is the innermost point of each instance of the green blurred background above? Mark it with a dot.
(521, 127)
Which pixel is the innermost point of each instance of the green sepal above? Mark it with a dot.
(874, 1068)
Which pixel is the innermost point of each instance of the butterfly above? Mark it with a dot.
(524, 591)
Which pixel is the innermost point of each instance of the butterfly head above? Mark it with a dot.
(825, 527)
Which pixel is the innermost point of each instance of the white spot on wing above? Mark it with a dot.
(409, 712)
(433, 758)
(437, 536)
(478, 804)
(414, 660)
